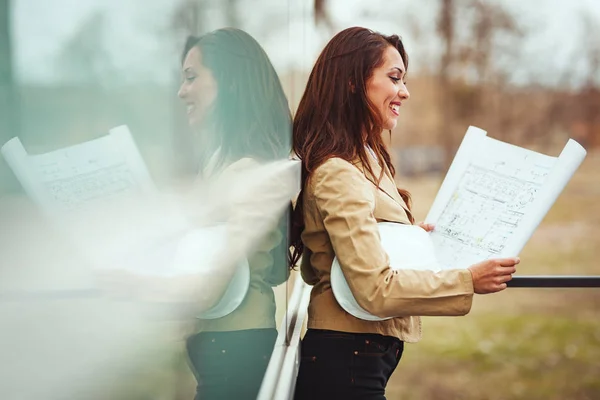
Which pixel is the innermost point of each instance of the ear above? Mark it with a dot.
(352, 87)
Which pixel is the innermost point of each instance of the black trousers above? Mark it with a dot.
(342, 365)
(230, 365)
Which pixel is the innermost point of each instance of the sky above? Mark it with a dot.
(139, 43)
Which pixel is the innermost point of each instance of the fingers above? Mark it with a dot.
(496, 287)
(491, 276)
(507, 262)
(503, 279)
(427, 227)
(504, 270)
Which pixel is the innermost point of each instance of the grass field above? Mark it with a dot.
(520, 343)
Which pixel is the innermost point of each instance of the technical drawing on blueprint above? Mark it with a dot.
(494, 196)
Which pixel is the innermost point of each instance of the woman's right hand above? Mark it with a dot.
(490, 276)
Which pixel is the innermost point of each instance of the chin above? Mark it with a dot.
(390, 126)
(193, 121)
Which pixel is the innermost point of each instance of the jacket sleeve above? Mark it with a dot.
(346, 201)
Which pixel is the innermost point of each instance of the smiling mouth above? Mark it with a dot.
(190, 108)
(395, 108)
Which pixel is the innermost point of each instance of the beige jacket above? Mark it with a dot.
(342, 205)
(247, 210)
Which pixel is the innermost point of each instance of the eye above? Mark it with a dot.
(394, 79)
(190, 78)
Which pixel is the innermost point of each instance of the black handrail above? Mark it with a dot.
(555, 281)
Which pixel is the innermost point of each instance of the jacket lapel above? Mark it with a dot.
(387, 184)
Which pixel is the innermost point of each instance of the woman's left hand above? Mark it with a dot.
(427, 227)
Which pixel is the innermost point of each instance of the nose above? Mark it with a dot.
(182, 91)
(403, 92)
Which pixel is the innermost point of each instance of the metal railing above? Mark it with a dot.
(279, 382)
(555, 281)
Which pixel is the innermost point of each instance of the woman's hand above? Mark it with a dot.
(490, 276)
(427, 227)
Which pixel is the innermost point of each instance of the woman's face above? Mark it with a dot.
(198, 88)
(386, 89)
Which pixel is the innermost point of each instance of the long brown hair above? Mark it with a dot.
(335, 117)
(248, 84)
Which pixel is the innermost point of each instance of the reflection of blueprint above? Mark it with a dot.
(72, 183)
(75, 176)
(81, 190)
(493, 198)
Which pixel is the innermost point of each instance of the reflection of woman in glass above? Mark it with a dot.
(240, 118)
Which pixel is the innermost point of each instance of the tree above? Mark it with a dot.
(322, 15)
(590, 94)
(84, 59)
(445, 28)
(188, 18)
(472, 81)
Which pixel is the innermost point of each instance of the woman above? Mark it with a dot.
(240, 118)
(353, 97)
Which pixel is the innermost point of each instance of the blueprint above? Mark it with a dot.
(493, 198)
